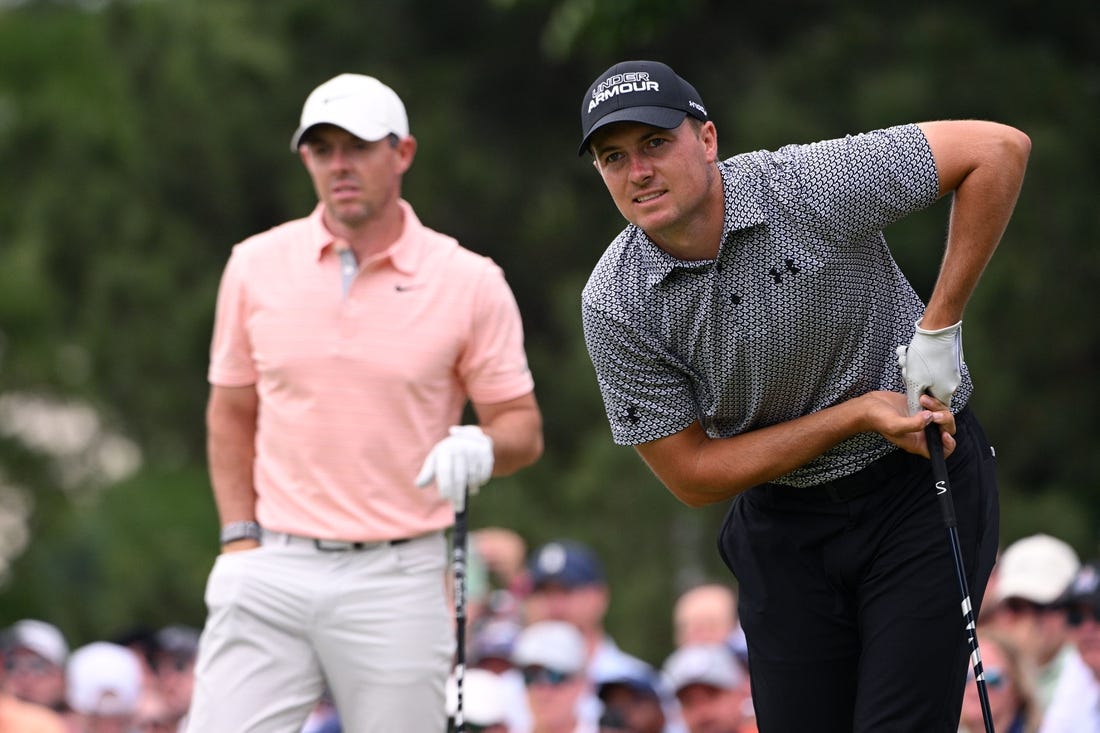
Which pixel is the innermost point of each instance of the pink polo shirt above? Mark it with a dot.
(354, 391)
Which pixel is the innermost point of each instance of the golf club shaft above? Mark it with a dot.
(947, 507)
(458, 560)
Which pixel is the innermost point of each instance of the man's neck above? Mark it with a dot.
(700, 235)
(370, 236)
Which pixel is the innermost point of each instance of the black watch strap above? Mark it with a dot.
(240, 531)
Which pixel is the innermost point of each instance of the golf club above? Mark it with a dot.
(947, 506)
(458, 560)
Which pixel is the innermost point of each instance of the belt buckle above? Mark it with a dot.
(338, 545)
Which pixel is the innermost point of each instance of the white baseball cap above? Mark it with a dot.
(703, 664)
(1036, 568)
(556, 645)
(484, 697)
(360, 104)
(103, 679)
(42, 638)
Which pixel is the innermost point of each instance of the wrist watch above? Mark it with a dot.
(240, 531)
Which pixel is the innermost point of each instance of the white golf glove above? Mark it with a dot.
(460, 462)
(932, 362)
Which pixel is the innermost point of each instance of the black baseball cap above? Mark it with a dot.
(638, 91)
(1085, 587)
(567, 563)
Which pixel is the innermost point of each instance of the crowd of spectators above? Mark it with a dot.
(539, 658)
(137, 682)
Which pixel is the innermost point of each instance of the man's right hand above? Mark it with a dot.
(887, 414)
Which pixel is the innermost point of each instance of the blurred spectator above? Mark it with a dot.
(489, 648)
(35, 656)
(490, 644)
(104, 686)
(707, 614)
(551, 656)
(20, 716)
(504, 553)
(636, 700)
(153, 714)
(989, 599)
(712, 688)
(177, 647)
(1032, 573)
(1010, 685)
(484, 709)
(568, 584)
(1075, 707)
(142, 641)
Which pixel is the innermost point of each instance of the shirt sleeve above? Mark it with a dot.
(646, 395)
(493, 366)
(231, 362)
(862, 183)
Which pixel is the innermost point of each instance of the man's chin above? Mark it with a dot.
(348, 213)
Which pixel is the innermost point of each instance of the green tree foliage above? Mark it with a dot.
(141, 139)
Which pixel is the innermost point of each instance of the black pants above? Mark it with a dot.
(851, 606)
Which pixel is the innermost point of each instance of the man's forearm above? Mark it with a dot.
(231, 478)
(517, 435)
(983, 163)
(701, 470)
(231, 452)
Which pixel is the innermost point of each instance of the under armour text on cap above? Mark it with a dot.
(638, 91)
(360, 104)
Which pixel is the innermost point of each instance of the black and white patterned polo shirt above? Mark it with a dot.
(802, 309)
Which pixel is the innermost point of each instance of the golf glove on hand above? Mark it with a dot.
(932, 362)
(460, 462)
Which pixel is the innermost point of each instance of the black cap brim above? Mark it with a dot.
(663, 117)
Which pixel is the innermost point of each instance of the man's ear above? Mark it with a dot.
(708, 133)
(406, 152)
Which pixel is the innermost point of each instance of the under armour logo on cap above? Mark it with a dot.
(638, 91)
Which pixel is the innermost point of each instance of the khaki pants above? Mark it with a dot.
(287, 618)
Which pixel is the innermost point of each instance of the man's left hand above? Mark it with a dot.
(461, 462)
(932, 362)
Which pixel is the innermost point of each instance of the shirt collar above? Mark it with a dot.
(742, 211)
(404, 253)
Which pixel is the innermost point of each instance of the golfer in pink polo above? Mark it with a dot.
(345, 347)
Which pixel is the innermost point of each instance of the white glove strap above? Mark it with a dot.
(948, 332)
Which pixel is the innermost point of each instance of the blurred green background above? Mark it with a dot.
(140, 140)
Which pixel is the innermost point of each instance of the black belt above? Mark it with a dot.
(869, 478)
(286, 538)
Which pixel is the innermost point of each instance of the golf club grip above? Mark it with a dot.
(939, 474)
